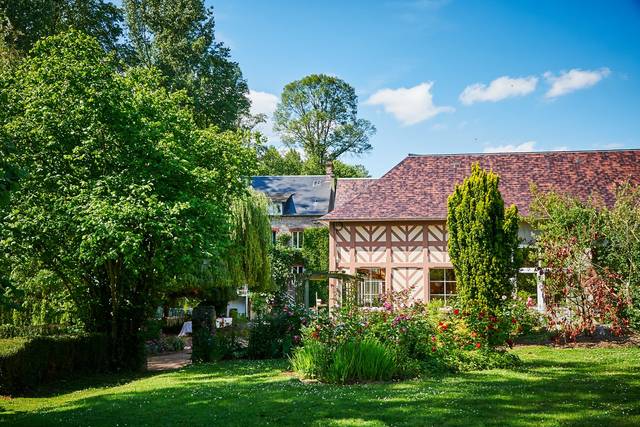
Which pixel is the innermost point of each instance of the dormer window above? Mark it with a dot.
(276, 208)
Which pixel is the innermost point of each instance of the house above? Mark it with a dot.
(393, 230)
(296, 202)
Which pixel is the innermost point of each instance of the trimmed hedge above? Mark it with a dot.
(13, 331)
(28, 362)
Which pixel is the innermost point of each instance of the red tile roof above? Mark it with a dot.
(348, 188)
(418, 187)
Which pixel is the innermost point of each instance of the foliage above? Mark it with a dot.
(165, 344)
(13, 331)
(276, 333)
(283, 258)
(584, 285)
(27, 362)
(178, 38)
(24, 22)
(621, 252)
(249, 256)
(319, 114)
(272, 162)
(423, 339)
(345, 170)
(482, 240)
(357, 361)
(134, 196)
(315, 254)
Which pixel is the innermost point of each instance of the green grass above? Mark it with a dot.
(581, 387)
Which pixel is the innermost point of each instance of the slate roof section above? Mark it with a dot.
(418, 187)
(348, 188)
(310, 195)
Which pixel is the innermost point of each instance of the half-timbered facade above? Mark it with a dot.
(392, 231)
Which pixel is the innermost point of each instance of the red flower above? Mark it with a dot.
(456, 311)
(478, 345)
(433, 338)
(514, 321)
(433, 348)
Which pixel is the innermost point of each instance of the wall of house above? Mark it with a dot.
(406, 250)
(286, 224)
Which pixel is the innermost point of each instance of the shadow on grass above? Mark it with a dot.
(544, 391)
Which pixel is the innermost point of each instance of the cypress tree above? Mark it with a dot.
(483, 239)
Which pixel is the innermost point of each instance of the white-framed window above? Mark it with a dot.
(442, 284)
(297, 269)
(371, 288)
(296, 239)
(274, 236)
(276, 208)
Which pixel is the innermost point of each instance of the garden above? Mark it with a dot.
(126, 211)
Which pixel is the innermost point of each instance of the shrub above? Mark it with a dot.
(27, 362)
(12, 331)
(276, 333)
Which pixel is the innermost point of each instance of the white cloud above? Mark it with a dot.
(525, 146)
(499, 89)
(572, 80)
(521, 148)
(409, 105)
(264, 103)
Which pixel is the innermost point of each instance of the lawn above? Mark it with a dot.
(554, 387)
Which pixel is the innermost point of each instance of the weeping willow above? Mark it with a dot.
(249, 259)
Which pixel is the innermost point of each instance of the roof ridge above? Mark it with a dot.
(610, 150)
(355, 177)
(289, 176)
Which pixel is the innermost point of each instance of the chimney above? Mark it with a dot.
(329, 169)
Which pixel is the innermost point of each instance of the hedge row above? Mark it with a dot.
(28, 362)
(12, 331)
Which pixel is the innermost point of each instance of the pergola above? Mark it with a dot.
(324, 275)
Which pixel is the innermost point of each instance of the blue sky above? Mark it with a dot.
(437, 76)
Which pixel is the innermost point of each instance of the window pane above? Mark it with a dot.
(436, 287)
(451, 288)
(436, 274)
(451, 275)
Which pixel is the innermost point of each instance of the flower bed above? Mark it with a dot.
(417, 338)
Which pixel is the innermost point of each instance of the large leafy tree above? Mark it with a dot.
(23, 22)
(483, 240)
(177, 37)
(272, 162)
(122, 194)
(319, 114)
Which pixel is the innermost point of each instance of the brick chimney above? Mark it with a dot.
(329, 169)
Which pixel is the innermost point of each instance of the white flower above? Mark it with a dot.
(504, 297)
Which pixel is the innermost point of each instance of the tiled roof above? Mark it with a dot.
(418, 187)
(348, 188)
(301, 195)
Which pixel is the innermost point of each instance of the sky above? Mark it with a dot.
(453, 76)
